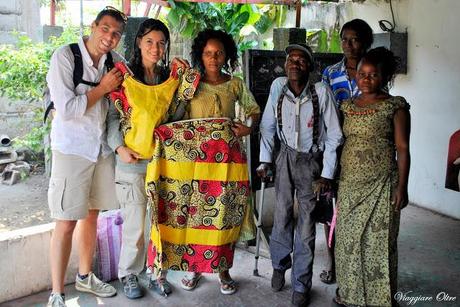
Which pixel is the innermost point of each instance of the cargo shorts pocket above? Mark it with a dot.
(56, 194)
(125, 193)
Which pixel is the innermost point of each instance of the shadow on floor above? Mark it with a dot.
(429, 268)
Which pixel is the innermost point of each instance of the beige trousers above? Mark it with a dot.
(133, 200)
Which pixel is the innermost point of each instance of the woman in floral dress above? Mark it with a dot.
(373, 185)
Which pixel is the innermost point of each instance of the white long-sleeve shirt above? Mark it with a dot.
(75, 130)
(330, 132)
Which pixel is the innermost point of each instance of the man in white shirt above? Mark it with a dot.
(82, 175)
(309, 138)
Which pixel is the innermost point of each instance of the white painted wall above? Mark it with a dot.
(430, 85)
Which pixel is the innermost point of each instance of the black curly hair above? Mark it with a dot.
(362, 29)
(200, 41)
(135, 63)
(385, 61)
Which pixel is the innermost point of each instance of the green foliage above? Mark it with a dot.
(239, 20)
(23, 70)
(335, 42)
(33, 141)
(322, 41)
(23, 67)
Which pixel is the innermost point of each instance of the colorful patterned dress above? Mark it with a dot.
(197, 183)
(367, 225)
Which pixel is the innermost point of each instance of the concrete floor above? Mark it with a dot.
(429, 268)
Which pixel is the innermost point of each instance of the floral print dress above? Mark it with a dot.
(367, 224)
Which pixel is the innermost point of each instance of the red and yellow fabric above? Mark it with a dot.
(143, 107)
(197, 184)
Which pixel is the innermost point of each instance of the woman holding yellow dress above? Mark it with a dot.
(152, 87)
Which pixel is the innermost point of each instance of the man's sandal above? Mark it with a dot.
(327, 277)
(227, 287)
(190, 283)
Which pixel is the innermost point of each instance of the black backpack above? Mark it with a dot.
(77, 76)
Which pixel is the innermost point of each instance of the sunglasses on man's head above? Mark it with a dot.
(111, 8)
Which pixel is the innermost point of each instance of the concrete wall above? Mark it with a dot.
(25, 262)
(429, 86)
(16, 116)
(19, 15)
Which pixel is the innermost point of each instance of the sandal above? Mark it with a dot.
(190, 283)
(338, 300)
(227, 287)
(161, 286)
(327, 277)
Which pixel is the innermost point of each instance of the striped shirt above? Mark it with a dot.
(337, 78)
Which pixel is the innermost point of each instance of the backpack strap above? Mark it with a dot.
(109, 61)
(315, 104)
(77, 74)
(78, 69)
(48, 103)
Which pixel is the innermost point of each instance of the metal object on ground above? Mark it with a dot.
(5, 140)
(259, 233)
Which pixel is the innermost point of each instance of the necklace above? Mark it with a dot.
(367, 110)
(219, 80)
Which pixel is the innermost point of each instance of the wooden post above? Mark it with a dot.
(126, 7)
(158, 12)
(147, 8)
(298, 10)
(53, 13)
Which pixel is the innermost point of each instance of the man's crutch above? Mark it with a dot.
(259, 223)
